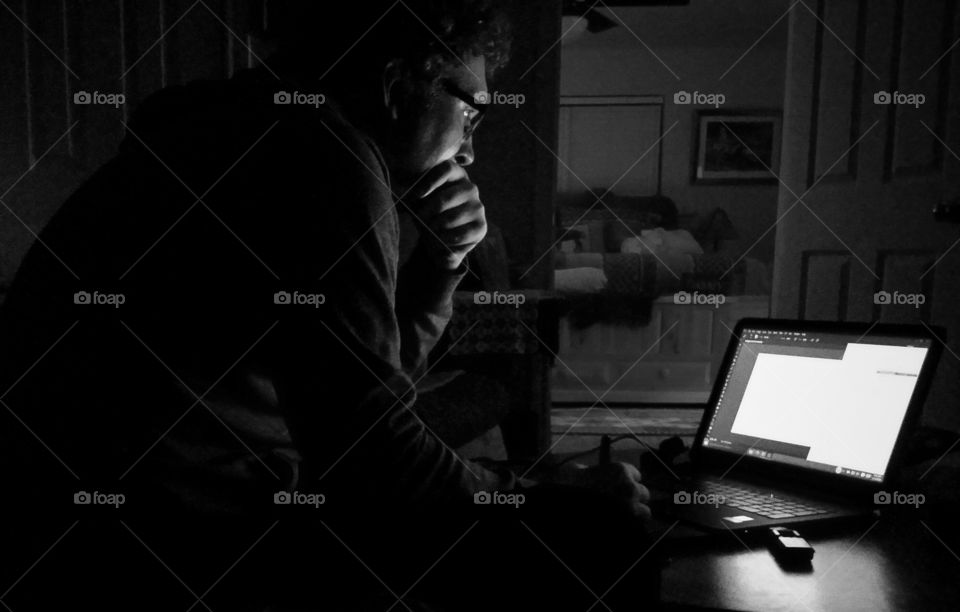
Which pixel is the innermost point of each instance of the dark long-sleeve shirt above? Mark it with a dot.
(224, 376)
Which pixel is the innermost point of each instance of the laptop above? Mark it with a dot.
(805, 422)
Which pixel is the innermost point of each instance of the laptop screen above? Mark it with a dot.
(822, 400)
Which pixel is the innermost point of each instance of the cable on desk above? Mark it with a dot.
(606, 444)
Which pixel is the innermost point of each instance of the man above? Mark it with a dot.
(216, 318)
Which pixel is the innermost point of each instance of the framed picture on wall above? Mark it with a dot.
(737, 146)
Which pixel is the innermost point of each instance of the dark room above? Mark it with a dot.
(474, 305)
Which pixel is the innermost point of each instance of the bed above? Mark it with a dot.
(649, 301)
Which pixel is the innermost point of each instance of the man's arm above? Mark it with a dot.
(340, 379)
(424, 307)
(451, 221)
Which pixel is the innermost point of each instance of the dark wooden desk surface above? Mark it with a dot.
(907, 560)
(895, 565)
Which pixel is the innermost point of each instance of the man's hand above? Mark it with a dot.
(620, 480)
(449, 205)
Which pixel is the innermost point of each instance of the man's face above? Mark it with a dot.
(438, 130)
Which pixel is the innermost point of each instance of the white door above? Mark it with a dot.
(871, 145)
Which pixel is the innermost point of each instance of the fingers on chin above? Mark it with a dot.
(439, 176)
(643, 511)
(461, 239)
(630, 489)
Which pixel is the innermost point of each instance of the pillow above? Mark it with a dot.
(681, 240)
(580, 280)
(659, 239)
(565, 261)
(629, 215)
(675, 261)
(649, 241)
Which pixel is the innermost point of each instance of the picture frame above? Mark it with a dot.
(737, 147)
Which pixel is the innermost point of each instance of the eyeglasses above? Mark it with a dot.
(470, 124)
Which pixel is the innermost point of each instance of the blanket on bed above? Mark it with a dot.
(634, 280)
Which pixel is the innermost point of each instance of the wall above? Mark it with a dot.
(617, 63)
(48, 144)
(515, 169)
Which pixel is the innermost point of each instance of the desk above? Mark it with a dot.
(908, 560)
(895, 565)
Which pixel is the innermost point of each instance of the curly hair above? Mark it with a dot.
(429, 35)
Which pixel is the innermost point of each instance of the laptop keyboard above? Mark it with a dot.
(763, 504)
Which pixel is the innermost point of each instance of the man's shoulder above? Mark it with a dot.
(326, 137)
(299, 126)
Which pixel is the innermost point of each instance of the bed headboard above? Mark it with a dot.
(622, 217)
